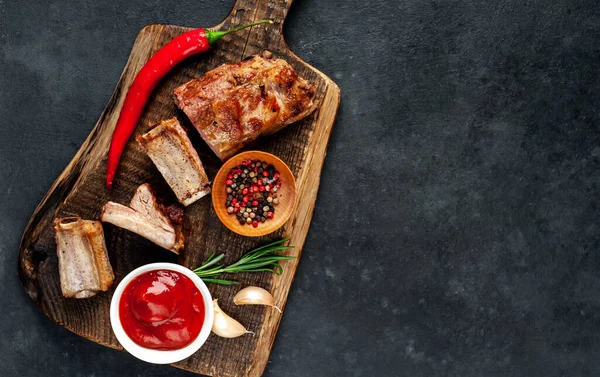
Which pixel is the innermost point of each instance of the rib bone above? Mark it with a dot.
(83, 262)
(147, 218)
(169, 147)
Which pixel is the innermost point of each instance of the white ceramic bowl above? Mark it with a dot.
(159, 356)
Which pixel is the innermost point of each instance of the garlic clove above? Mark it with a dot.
(225, 326)
(255, 296)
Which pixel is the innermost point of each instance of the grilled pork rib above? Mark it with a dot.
(83, 263)
(234, 104)
(169, 147)
(147, 218)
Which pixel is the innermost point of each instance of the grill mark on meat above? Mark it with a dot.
(234, 104)
(263, 95)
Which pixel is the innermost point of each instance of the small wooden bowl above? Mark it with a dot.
(286, 195)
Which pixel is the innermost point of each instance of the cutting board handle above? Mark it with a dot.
(246, 11)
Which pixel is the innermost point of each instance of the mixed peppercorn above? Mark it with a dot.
(251, 189)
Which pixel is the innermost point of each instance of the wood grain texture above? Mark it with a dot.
(80, 191)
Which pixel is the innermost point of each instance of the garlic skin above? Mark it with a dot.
(225, 326)
(255, 296)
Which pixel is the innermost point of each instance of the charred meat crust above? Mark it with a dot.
(234, 104)
(148, 218)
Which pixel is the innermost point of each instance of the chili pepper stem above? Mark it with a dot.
(214, 36)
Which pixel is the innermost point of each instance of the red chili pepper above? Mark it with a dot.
(182, 47)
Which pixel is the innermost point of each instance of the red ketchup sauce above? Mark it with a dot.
(162, 310)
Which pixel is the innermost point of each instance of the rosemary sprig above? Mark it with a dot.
(260, 259)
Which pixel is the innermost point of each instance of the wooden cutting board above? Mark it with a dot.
(80, 191)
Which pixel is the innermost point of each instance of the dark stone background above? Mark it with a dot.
(456, 231)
